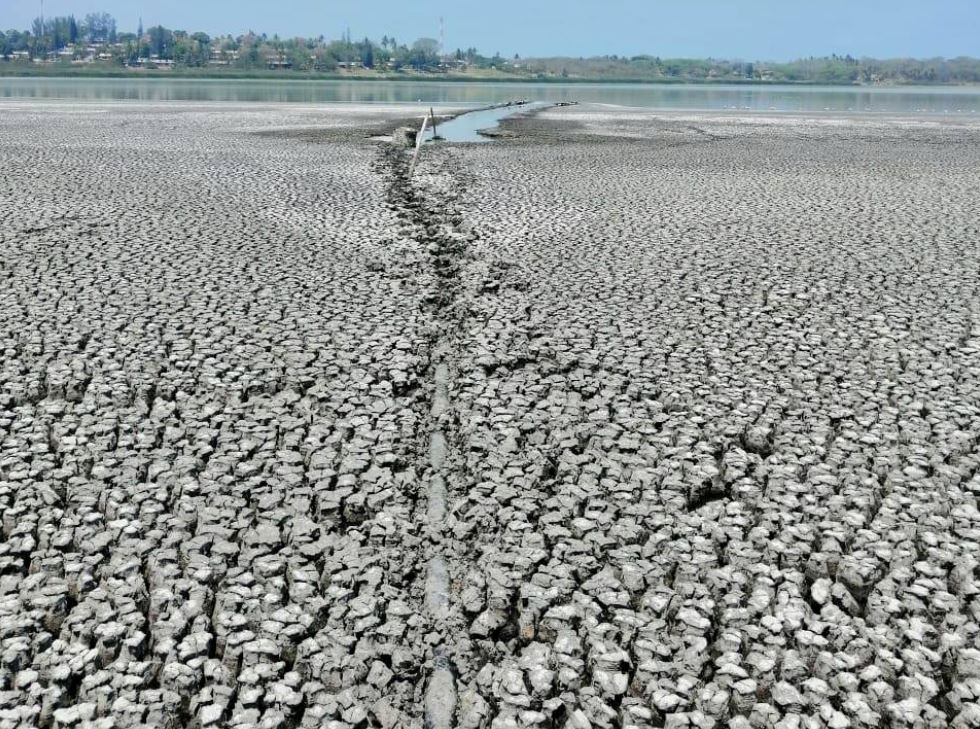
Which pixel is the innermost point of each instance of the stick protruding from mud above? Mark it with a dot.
(419, 141)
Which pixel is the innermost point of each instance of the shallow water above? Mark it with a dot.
(905, 99)
(467, 127)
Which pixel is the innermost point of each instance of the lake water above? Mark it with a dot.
(896, 100)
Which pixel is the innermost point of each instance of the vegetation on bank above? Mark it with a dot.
(93, 46)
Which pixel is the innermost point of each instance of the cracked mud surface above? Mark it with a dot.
(628, 421)
(718, 404)
(211, 409)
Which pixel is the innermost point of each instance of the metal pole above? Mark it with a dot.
(432, 116)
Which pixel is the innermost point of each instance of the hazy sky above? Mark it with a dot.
(746, 29)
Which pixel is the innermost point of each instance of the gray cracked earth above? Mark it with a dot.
(629, 420)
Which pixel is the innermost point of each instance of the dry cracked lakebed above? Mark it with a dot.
(626, 421)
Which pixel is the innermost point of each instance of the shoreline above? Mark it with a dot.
(295, 77)
(452, 109)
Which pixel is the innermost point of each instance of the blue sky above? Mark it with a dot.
(745, 29)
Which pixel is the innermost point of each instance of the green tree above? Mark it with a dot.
(367, 53)
(39, 42)
(17, 40)
(60, 32)
(249, 55)
(424, 53)
(99, 28)
(299, 55)
(161, 42)
(323, 60)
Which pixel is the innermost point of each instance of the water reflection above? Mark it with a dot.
(923, 100)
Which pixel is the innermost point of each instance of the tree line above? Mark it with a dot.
(70, 39)
(57, 33)
(96, 38)
(832, 69)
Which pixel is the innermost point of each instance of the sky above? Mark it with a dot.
(736, 29)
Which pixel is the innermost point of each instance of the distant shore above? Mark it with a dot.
(21, 70)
